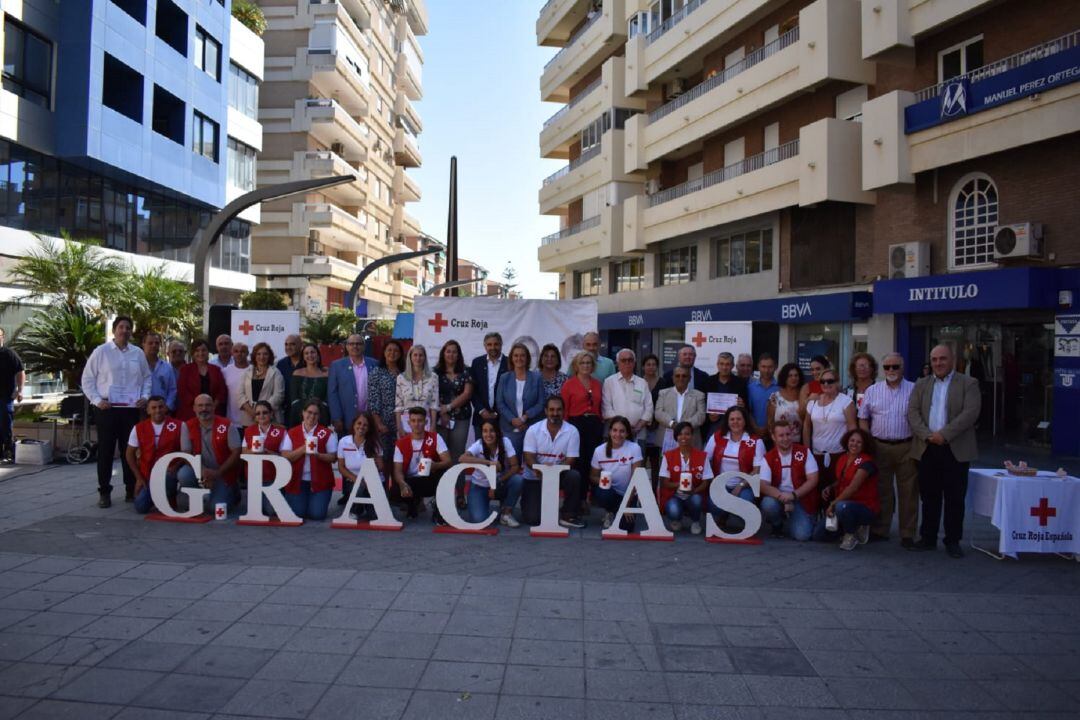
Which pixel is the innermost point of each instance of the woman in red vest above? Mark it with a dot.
(200, 377)
(313, 451)
(156, 436)
(733, 449)
(264, 437)
(853, 499)
(684, 480)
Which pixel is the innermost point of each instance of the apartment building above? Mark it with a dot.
(840, 173)
(342, 78)
(118, 122)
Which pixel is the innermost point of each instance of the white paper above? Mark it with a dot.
(718, 403)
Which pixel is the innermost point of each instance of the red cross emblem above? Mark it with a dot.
(438, 322)
(1043, 511)
(256, 444)
(311, 444)
(170, 426)
(623, 459)
(246, 327)
(221, 428)
(698, 339)
(219, 513)
(799, 456)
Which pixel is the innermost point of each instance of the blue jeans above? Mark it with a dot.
(7, 429)
(479, 504)
(144, 503)
(309, 505)
(609, 499)
(222, 492)
(850, 515)
(798, 524)
(692, 506)
(721, 516)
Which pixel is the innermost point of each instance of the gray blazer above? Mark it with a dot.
(964, 404)
(693, 412)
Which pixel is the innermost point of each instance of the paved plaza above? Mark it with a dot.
(105, 615)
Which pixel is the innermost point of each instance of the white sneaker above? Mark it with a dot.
(863, 534)
(608, 519)
(508, 520)
(849, 542)
(676, 525)
(695, 528)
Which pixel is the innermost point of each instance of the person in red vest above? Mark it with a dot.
(312, 452)
(853, 499)
(264, 437)
(684, 480)
(419, 459)
(789, 492)
(733, 449)
(156, 436)
(216, 441)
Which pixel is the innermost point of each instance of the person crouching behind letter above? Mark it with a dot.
(156, 436)
(612, 465)
(496, 450)
(313, 453)
(732, 448)
(684, 479)
(217, 443)
(263, 437)
(419, 459)
(854, 498)
(353, 449)
(789, 486)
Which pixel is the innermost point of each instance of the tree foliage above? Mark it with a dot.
(158, 303)
(250, 16)
(330, 328)
(71, 273)
(59, 340)
(264, 300)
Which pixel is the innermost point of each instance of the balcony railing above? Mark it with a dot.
(1038, 52)
(765, 51)
(573, 38)
(750, 164)
(574, 101)
(572, 230)
(573, 165)
(673, 20)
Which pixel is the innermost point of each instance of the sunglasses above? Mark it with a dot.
(891, 367)
(828, 382)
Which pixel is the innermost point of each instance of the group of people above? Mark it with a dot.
(834, 462)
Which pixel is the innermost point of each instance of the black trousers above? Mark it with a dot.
(943, 482)
(113, 428)
(591, 433)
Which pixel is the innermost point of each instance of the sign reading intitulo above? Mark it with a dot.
(712, 338)
(269, 326)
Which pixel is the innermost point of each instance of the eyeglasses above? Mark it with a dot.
(354, 344)
(891, 367)
(827, 382)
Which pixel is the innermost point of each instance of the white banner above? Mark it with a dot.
(712, 338)
(1037, 514)
(269, 326)
(534, 323)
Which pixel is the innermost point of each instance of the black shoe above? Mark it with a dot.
(907, 543)
(572, 522)
(953, 550)
(104, 500)
(129, 496)
(777, 532)
(342, 500)
(922, 545)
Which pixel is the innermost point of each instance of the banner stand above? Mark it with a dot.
(273, 522)
(155, 516)
(451, 530)
(725, 541)
(366, 525)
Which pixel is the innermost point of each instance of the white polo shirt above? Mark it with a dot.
(548, 450)
(620, 464)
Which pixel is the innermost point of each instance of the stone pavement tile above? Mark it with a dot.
(871, 693)
(11, 560)
(266, 575)
(320, 578)
(275, 614)
(53, 565)
(614, 592)
(799, 713)
(432, 705)
(489, 605)
(916, 666)
(671, 595)
(845, 663)
(402, 673)
(214, 574)
(103, 568)
(462, 677)
(417, 622)
(225, 662)
(679, 614)
(547, 628)
(1035, 642)
(1030, 695)
(621, 656)
(633, 685)
(791, 618)
(132, 587)
(463, 648)
(1053, 667)
(352, 618)
(618, 631)
(11, 616)
(790, 691)
(961, 642)
(1070, 686)
(764, 637)
(553, 589)
(717, 712)
(92, 604)
(373, 599)
(869, 620)
(35, 679)
(12, 706)
(77, 651)
(426, 602)
(689, 634)
(823, 638)
(339, 641)
(770, 661)
(611, 611)
(612, 710)
(842, 601)
(953, 695)
(376, 580)
(184, 589)
(546, 608)
(148, 607)
(790, 600)
(17, 646)
(189, 693)
(439, 584)
(20, 580)
(559, 653)
(361, 703)
(143, 655)
(303, 667)
(732, 597)
(191, 632)
(214, 610)
(695, 659)
(891, 641)
(156, 571)
(301, 595)
(251, 635)
(399, 645)
(34, 599)
(63, 710)
(995, 667)
(521, 707)
(276, 698)
(52, 623)
(144, 713)
(740, 616)
(544, 681)
(108, 685)
(707, 688)
(931, 620)
(492, 587)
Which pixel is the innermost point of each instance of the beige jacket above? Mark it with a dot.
(962, 412)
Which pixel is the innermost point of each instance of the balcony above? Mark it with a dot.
(405, 188)
(823, 164)
(589, 46)
(310, 164)
(557, 20)
(402, 106)
(889, 27)
(329, 225)
(407, 69)
(573, 180)
(336, 66)
(329, 123)
(406, 150)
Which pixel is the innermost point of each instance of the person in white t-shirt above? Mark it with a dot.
(612, 465)
(733, 449)
(153, 438)
(497, 451)
(234, 381)
(789, 486)
(420, 457)
(353, 449)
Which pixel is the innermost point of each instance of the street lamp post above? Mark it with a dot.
(354, 292)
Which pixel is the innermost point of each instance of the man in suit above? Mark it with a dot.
(727, 382)
(486, 371)
(943, 411)
(699, 379)
(347, 392)
(680, 404)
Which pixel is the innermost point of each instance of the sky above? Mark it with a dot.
(481, 81)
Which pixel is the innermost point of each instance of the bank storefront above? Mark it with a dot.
(1000, 325)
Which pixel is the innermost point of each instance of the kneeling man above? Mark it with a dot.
(156, 436)
(789, 478)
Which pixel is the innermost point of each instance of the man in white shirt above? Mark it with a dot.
(234, 380)
(628, 395)
(555, 442)
(117, 381)
(224, 346)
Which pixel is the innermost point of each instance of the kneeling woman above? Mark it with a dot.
(314, 449)
(612, 465)
(733, 449)
(853, 500)
(684, 480)
(497, 451)
(353, 449)
(264, 437)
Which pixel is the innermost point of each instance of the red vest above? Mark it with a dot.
(799, 454)
(168, 442)
(747, 452)
(322, 473)
(271, 444)
(698, 458)
(867, 494)
(430, 449)
(219, 443)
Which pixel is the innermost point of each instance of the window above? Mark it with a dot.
(122, 89)
(629, 275)
(168, 118)
(171, 26)
(204, 136)
(587, 283)
(960, 59)
(744, 253)
(241, 165)
(677, 267)
(243, 92)
(207, 53)
(134, 8)
(27, 63)
(972, 219)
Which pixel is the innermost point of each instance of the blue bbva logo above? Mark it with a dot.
(954, 98)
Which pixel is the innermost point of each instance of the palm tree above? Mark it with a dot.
(59, 340)
(157, 303)
(73, 272)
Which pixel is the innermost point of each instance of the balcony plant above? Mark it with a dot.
(250, 16)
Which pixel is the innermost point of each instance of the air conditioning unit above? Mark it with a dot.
(1019, 240)
(338, 148)
(678, 87)
(911, 259)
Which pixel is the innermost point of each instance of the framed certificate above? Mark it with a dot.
(717, 403)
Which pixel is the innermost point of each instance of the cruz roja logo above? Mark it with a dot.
(954, 99)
